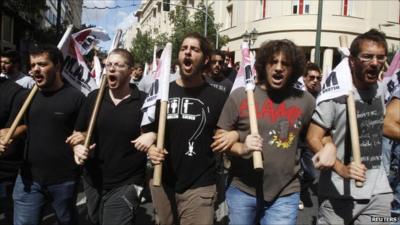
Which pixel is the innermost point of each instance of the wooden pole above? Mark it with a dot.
(157, 175)
(20, 114)
(163, 94)
(100, 94)
(32, 93)
(351, 111)
(257, 156)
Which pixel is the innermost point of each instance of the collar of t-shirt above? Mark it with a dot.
(134, 95)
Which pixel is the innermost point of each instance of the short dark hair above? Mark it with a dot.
(137, 65)
(218, 52)
(54, 54)
(294, 55)
(12, 55)
(205, 45)
(371, 35)
(124, 53)
(312, 67)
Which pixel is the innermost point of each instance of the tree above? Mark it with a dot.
(142, 47)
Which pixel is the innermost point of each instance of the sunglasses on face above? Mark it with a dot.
(318, 78)
(219, 62)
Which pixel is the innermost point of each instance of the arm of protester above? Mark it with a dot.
(76, 138)
(253, 142)
(81, 153)
(391, 123)
(351, 171)
(224, 140)
(322, 146)
(19, 131)
(156, 155)
(145, 141)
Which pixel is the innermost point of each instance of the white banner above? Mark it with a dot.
(246, 74)
(338, 83)
(160, 87)
(76, 71)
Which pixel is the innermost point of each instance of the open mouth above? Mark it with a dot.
(38, 78)
(372, 74)
(112, 80)
(277, 78)
(188, 63)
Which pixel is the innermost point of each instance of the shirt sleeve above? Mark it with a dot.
(324, 114)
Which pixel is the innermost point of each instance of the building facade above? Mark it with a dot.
(295, 20)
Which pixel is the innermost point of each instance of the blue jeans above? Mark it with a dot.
(30, 197)
(247, 209)
(391, 163)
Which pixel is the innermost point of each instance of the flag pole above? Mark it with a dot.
(100, 94)
(351, 111)
(32, 93)
(164, 81)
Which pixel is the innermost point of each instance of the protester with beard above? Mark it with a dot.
(114, 170)
(215, 77)
(341, 201)
(188, 186)
(283, 112)
(48, 174)
(10, 68)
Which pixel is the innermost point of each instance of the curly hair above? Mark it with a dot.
(294, 56)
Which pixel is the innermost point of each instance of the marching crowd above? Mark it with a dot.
(207, 157)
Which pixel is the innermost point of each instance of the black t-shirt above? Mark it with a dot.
(114, 161)
(11, 98)
(223, 84)
(50, 120)
(191, 121)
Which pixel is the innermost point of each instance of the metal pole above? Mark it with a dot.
(217, 39)
(205, 20)
(318, 35)
(58, 26)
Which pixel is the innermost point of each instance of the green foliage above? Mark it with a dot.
(142, 47)
(179, 18)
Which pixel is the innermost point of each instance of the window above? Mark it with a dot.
(229, 18)
(300, 7)
(347, 6)
(263, 8)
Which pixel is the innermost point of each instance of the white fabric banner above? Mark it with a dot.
(160, 87)
(246, 74)
(338, 83)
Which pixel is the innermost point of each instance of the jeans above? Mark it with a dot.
(30, 197)
(247, 209)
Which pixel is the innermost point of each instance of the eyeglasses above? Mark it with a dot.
(318, 78)
(116, 65)
(220, 62)
(369, 57)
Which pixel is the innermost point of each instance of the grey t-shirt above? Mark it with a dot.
(280, 125)
(332, 116)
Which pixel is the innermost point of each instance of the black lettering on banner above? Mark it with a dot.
(249, 74)
(331, 80)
